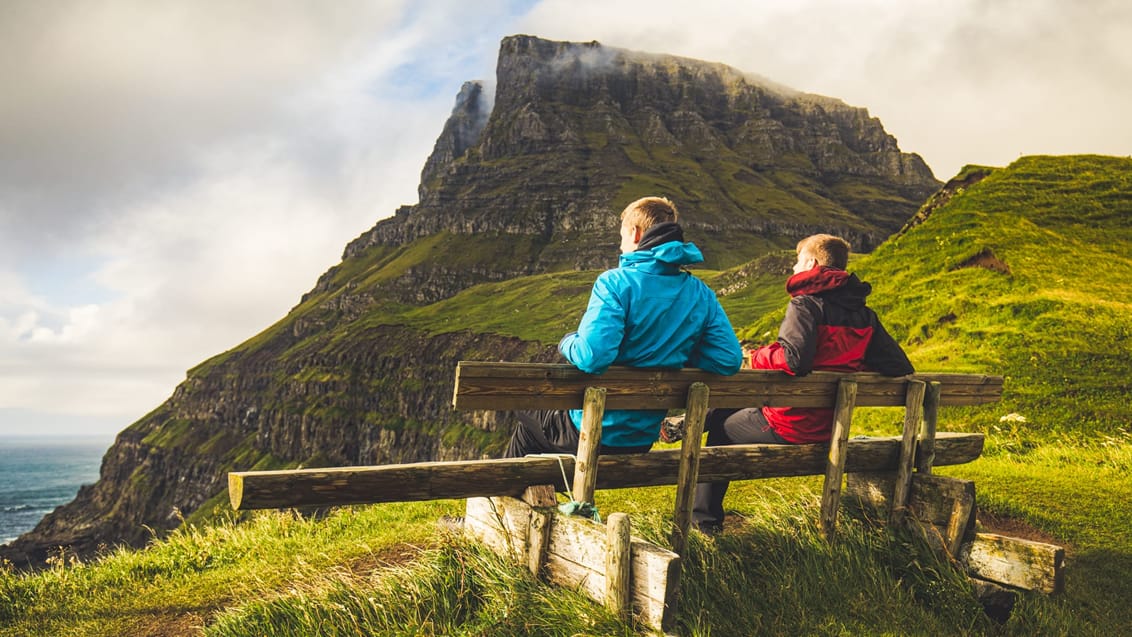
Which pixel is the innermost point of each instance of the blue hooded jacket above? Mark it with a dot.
(649, 313)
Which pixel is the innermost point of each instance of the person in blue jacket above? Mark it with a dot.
(649, 312)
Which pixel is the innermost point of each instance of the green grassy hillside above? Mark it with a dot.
(1028, 271)
(1022, 271)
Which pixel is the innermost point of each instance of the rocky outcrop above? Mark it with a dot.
(461, 132)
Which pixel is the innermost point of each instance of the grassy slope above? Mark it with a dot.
(1055, 326)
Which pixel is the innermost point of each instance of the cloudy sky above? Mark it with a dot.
(174, 175)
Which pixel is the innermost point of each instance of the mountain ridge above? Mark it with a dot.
(630, 113)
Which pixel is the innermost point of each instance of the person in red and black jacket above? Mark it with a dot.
(827, 327)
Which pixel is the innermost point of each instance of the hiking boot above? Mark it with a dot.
(672, 429)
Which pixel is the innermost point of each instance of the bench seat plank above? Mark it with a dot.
(511, 476)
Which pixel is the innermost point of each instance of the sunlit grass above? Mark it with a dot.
(190, 575)
(388, 569)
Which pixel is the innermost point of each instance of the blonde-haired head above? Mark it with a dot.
(827, 249)
(646, 212)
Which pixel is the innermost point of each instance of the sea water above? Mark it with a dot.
(39, 474)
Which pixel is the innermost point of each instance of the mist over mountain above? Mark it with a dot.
(525, 182)
(576, 131)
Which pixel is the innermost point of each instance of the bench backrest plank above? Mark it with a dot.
(514, 386)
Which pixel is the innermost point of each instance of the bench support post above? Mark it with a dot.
(835, 467)
(913, 411)
(542, 501)
(578, 557)
(689, 471)
(589, 442)
(617, 562)
(925, 457)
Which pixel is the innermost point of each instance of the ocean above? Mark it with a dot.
(39, 474)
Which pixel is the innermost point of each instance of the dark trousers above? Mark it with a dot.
(552, 432)
(728, 427)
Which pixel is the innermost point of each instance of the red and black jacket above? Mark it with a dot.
(827, 327)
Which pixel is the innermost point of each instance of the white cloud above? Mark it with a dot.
(200, 268)
(192, 169)
(176, 175)
(106, 101)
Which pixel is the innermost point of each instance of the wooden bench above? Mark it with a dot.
(511, 503)
(523, 386)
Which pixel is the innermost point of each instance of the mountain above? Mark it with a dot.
(522, 191)
(579, 130)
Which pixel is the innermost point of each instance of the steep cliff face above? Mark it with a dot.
(360, 372)
(582, 129)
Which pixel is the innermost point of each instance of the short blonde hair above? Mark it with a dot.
(829, 250)
(646, 212)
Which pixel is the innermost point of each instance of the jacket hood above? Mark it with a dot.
(663, 244)
(836, 285)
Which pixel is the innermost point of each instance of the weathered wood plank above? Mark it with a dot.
(511, 476)
(508, 386)
(1033, 566)
(538, 539)
(576, 556)
(925, 446)
(502, 524)
(958, 526)
(617, 562)
(540, 495)
(576, 560)
(913, 412)
(687, 474)
(542, 501)
(589, 441)
(835, 463)
(945, 503)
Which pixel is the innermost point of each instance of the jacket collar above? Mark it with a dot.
(819, 279)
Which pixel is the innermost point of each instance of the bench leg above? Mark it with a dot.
(925, 456)
(589, 441)
(913, 411)
(542, 501)
(688, 475)
(835, 465)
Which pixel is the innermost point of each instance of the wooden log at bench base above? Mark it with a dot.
(576, 556)
(946, 507)
(618, 556)
(543, 505)
(1033, 566)
(475, 478)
